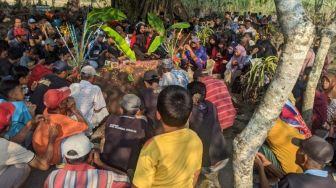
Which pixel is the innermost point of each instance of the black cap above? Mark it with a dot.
(316, 148)
(61, 66)
(151, 75)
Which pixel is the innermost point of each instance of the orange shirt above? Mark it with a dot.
(68, 126)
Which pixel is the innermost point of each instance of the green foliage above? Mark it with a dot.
(155, 44)
(205, 33)
(262, 71)
(120, 42)
(180, 25)
(156, 23)
(105, 14)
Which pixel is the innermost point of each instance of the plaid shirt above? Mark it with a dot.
(218, 94)
(85, 176)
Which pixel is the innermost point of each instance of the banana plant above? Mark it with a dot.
(205, 33)
(92, 23)
(120, 42)
(261, 72)
(156, 23)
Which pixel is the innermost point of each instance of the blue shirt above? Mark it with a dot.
(202, 57)
(20, 118)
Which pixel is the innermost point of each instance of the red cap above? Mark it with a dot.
(54, 97)
(6, 111)
(19, 32)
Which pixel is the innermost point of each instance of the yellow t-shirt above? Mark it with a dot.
(169, 160)
(280, 141)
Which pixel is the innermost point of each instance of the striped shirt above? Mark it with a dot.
(218, 94)
(85, 176)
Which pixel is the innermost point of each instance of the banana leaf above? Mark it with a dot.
(155, 44)
(105, 14)
(156, 23)
(180, 25)
(120, 42)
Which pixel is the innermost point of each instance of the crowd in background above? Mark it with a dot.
(166, 130)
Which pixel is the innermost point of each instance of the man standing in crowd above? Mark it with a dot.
(89, 98)
(313, 154)
(174, 158)
(79, 154)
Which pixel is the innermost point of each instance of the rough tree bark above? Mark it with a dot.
(298, 32)
(327, 35)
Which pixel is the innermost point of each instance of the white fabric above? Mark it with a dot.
(13, 154)
(89, 98)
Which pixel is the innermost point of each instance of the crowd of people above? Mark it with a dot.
(165, 131)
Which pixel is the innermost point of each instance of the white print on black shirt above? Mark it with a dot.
(114, 126)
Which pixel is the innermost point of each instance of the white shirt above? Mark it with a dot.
(89, 98)
(13, 154)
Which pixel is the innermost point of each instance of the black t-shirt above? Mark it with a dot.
(293, 180)
(124, 138)
(205, 123)
(50, 81)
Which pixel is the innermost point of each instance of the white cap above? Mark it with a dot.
(78, 143)
(89, 70)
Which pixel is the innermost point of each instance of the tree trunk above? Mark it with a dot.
(314, 76)
(298, 32)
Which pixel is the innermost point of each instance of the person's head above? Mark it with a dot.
(247, 37)
(64, 54)
(167, 65)
(238, 50)
(174, 106)
(49, 44)
(130, 104)
(77, 149)
(14, 55)
(56, 99)
(329, 82)
(248, 23)
(100, 36)
(32, 23)
(11, 89)
(227, 15)
(3, 49)
(151, 79)
(17, 23)
(313, 153)
(88, 73)
(198, 91)
(242, 28)
(221, 44)
(61, 69)
(6, 112)
(195, 43)
(20, 73)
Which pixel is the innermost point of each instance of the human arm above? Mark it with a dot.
(21, 136)
(102, 165)
(261, 169)
(71, 105)
(42, 162)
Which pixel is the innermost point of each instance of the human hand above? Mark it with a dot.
(33, 86)
(263, 159)
(31, 108)
(54, 130)
(71, 104)
(37, 119)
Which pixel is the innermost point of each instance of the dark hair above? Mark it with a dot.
(83, 159)
(50, 60)
(7, 85)
(150, 82)
(19, 71)
(197, 87)
(174, 105)
(14, 53)
(3, 45)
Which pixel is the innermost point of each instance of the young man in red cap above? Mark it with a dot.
(59, 108)
(20, 41)
(15, 161)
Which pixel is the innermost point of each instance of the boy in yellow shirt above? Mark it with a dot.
(174, 158)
